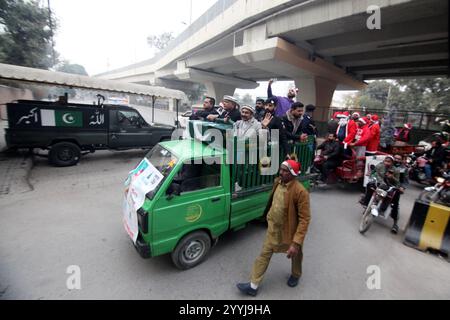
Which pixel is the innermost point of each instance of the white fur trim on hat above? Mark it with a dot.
(362, 120)
(287, 165)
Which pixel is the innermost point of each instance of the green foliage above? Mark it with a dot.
(68, 67)
(197, 94)
(25, 34)
(427, 95)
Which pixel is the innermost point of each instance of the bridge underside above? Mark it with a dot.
(322, 45)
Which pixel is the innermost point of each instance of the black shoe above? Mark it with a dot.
(394, 229)
(292, 281)
(247, 289)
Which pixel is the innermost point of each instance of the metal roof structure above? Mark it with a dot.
(13, 72)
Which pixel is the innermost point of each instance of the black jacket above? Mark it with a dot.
(331, 149)
(202, 114)
(308, 125)
(277, 123)
(289, 127)
(234, 115)
(437, 154)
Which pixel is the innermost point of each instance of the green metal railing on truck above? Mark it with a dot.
(249, 176)
(246, 157)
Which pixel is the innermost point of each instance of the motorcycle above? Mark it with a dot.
(379, 204)
(417, 171)
(439, 193)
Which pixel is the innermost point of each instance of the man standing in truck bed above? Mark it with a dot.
(288, 217)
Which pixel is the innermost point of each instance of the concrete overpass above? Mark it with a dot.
(323, 45)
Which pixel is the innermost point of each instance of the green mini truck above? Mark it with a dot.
(186, 193)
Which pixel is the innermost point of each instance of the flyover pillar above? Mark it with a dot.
(317, 91)
(218, 90)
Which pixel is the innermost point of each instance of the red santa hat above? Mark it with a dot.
(362, 120)
(336, 114)
(292, 166)
(374, 117)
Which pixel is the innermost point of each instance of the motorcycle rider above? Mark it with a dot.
(436, 159)
(385, 172)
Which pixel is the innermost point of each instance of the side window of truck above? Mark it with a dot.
(128, 119)
(193, 177)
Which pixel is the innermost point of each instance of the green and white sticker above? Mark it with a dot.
(61, 118)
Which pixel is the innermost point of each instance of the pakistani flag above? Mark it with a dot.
(59, 118)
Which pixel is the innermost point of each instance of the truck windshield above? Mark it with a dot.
(162, 159)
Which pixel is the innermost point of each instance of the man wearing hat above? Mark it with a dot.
(403, 135)
(362, 137)
(283, 104)
(374, 141)
(248, 126)
(230, 112)
(288, 216)
(272, 122)
(352, 128)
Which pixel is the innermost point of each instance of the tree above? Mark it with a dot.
(160, 41)
(194, 96)
(25, 34)
(427, 95)
(247, 99)
(68, 67)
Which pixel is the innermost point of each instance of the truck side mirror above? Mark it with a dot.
(173, 190)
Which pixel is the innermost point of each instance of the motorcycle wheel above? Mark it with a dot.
(366, 219)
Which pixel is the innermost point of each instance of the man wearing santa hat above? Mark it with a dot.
(362, 137)
(374, 141)
(288, 216)
(352, 128)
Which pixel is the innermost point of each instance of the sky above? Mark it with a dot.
(103, 35)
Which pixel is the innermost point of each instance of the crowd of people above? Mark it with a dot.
(292, 119)
(349, 135)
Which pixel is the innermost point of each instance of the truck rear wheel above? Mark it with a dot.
(64, 154)
(191, 250)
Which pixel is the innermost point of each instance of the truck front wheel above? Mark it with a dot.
(64, 154)
(191, 250)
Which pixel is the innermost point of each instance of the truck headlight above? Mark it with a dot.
(142, 217)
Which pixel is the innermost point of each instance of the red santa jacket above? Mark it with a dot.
(362, 136)
(352, 127)
(374, 140)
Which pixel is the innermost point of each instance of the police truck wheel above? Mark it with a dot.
(64, 154)
(191, 250)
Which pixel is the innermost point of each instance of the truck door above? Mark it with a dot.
(128, 130)
(195, 199)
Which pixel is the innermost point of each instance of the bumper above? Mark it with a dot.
(142, 248)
